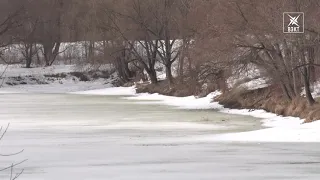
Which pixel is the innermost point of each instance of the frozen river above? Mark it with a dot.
(77, 137)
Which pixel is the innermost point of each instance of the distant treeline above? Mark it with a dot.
(207, 40)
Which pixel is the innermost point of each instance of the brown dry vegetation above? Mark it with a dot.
(164, 87)
(178, 88)
(272, 100)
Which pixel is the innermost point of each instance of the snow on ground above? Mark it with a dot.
(190, 102)
(67, 86)
(279, 129)
(250, 79)
(316, 89)
(300, 133)
(17, 79)
(19, 70)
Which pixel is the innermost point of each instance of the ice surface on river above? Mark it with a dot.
(281, 129)
(76, 137)
(72, 137)
(113, 91)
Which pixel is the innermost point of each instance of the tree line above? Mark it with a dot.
(204, 41)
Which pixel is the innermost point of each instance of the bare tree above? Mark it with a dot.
(28, 43)
(244, 32)
(50, 30)
(10, 21)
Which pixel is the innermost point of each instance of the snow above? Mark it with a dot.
(299, 133)
(190, 102)
(249, 78)
(279, 128)
(87, 137)
(17, 79)
(268, 119)
(56, 87)
(19, 70)
(316, 89)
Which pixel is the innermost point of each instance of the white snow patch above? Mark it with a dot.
(268, 119)
(250, 79)
(302, 133)
(316, 89)
(19, 70)
(33, 80)
(190, 102)
(67, 86)
(292, 133)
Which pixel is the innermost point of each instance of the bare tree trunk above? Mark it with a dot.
(38, 58)
(28, 54)
(285, 91)
(28, 62)
(91, 52)
(182, 56)
(181, 63)
(169, 73)
(306, 78)
(50, 52)
(153, 76)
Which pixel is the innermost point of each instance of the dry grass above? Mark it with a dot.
(271, 100)
(176, 89)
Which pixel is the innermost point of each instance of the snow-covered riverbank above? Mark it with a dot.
(55, 79)
(279, 129)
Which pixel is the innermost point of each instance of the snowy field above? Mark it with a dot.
(20, 70)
